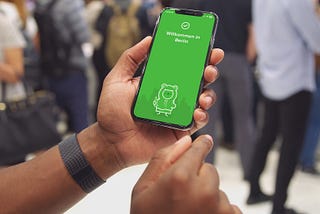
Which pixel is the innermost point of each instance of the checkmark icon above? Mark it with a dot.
(185, 25)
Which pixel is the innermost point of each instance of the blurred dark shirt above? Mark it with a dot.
(234, 18)
(190, 4)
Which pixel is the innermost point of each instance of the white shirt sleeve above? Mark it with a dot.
(306, 21)
(10, 36)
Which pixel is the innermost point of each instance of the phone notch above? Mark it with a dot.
(189, 12)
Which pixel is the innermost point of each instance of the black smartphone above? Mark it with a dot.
(172, 76)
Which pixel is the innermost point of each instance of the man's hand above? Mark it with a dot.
(178, 181)
(134, 142)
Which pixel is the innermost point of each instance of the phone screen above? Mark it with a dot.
(172, 76)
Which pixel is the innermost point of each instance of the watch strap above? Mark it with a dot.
(77, 165)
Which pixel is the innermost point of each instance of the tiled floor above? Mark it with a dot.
(114, 196)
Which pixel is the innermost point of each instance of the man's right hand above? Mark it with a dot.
(178, 181)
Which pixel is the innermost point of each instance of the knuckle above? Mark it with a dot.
(179, 178)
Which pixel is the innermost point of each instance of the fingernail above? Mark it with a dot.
(217, 72)
(208, 100)
(203, 116)
(209, 140)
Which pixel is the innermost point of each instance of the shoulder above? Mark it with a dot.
(68, 7)
(10, 35)
(11, 12)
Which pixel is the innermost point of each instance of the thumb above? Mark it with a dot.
(130, 60)
(161, 161)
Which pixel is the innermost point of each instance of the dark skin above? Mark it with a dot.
(111, 144)
(179, 184)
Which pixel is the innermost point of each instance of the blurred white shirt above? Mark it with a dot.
(287, 36)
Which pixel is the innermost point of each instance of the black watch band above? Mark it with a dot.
(78, 166)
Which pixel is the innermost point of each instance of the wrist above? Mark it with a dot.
(100, 153)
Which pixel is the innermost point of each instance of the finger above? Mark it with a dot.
(236, 209)
(201, 118)
(216, 57)
(163, 159)
(207, 99)
(224, 204)
(210, 179)
(130, 60)
(200, 148)
(211, 74)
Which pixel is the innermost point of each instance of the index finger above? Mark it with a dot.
(192, 160)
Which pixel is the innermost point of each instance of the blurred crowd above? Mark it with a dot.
(268, 90)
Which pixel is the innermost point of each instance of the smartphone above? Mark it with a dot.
(172, 76)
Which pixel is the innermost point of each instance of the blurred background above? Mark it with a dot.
(266, 122)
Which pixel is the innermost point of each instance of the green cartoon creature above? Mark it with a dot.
(165, 101)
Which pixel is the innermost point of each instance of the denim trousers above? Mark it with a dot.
(72, 96)
(307, 158)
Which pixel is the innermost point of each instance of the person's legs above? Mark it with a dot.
(293, 119)
(72, 96)
(78, 103)
(239, 88)
(227, 124)
(101, 69)
(214, 116)
(266, 140)
(307, 158)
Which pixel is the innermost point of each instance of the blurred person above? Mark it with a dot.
(10, 10)
(82, 162)
(20, 15)
(165, 3)
(25, 21)
(311, 140)
(227, 140)
(11, 64)
(190, 4)
(153, 9)
(286, 41)
(63, 31)
(93, 8)
(114, 39)
(234, 35)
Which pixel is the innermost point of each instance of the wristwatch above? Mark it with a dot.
(77, 165)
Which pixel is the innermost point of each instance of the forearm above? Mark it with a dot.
(8, 74)
(43, 185)
(13, 68)
(251, 49)
(40, 185)
(101, 154)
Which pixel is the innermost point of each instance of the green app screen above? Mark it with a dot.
(172, 77)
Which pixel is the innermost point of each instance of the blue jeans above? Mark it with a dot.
(72, 96)
(307, 158)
